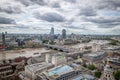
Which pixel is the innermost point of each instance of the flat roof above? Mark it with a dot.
(38, 66)
(59, 57)
(95, 54)
(60, 70)
(84, 77)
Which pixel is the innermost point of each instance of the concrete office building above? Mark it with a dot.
(3, 39)
(56, 58)
(33, 69)
(96, 56)
(65, 72)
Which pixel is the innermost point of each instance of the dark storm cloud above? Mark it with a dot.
(50, 17)
(1, 27)
(4, 20)
(25, 2)
(56, 5)
(40, 2)
(87, 12)
(108, 25)
(29, 2)
(104, 22)
(108, 4)
(71, 1)
(76, 27)
(117, 31)
(10, 9)
(7, 27)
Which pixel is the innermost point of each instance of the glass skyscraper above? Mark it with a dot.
(52, 34)
(52, 31)
(64, 34)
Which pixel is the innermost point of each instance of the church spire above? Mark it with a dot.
(108, 72)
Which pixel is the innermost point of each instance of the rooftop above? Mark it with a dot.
(95, 54)
(60, 70)
(38, 66)
(83, 77)
(59, 57)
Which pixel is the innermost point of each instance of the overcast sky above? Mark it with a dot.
(76, 16)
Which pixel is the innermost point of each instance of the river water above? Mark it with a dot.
(29, 52)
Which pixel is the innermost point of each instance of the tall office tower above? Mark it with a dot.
(64, 34)
(3, 39)
(52, 31)
(5, 33)
(52, 34)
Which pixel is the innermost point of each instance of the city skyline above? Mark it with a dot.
(75, 16)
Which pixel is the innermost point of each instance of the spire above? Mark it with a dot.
(108, 72)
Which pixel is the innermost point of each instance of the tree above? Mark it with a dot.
(52, 42)
(114, 42)
(10, 47)
(33, 46)
(45, 41)
(84, 64)
(97, 74)
(117, 75)
(4, 62)
(91, 67)
(10, 61)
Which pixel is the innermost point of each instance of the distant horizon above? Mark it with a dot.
(61, 33)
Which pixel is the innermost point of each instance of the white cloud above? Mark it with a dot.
(81, 16)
